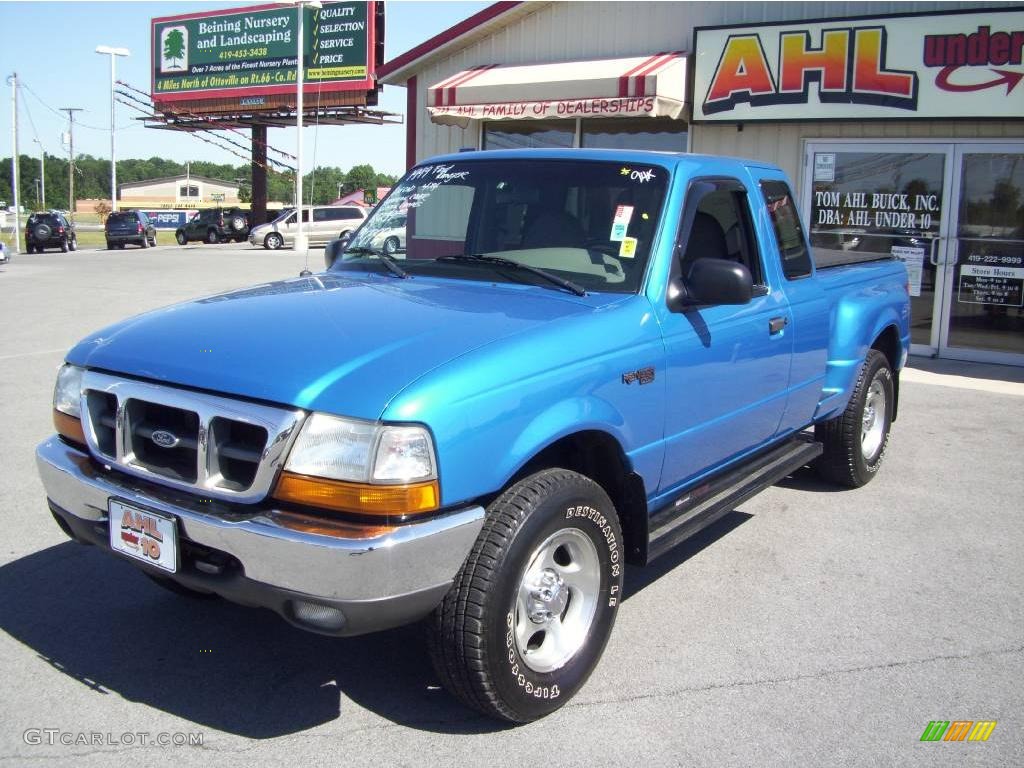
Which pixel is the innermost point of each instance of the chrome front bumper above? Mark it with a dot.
(375, 583)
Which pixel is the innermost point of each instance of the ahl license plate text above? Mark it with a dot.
(144, 535)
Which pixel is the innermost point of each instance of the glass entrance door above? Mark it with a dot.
(983, 310)
(865, 200)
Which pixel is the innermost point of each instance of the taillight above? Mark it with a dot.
(60, 230)
(140, 228)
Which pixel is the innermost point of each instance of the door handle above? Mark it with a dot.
(776, 324)
(932, 254)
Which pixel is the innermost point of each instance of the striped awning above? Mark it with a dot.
(651, 86)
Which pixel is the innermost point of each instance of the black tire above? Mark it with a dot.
(172, 586)
(180, 237)
(273, 241)
(64, 247)
(473, 636)
(391, 245)
(110, 246)
(42, 232)
(73, 243)
(212, 237)
(855, 448)
(120, 246)
(144, 243)
(152, 242)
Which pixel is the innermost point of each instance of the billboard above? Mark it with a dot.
(252, 52)
(937, 65)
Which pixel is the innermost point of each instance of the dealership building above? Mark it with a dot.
(900, 124)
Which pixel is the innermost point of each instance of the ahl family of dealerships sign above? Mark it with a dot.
(953, 65)
(254, 51)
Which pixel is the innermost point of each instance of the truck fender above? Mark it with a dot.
(853, 334)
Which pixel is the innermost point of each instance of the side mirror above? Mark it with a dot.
(713, 281)
(334, 249)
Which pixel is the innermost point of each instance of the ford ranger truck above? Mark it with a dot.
(573, 361)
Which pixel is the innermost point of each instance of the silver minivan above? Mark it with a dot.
(329, 222)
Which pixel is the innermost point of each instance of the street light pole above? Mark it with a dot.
(42, 172)
(113, 53)
(301, 244)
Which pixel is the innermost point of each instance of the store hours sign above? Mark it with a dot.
(251, 51)
(945, 65)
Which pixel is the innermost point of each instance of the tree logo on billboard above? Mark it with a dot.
(174, 49)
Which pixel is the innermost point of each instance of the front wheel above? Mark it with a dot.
(212, 238)
(855, 442)
(529, 614)
(180, 237)
(273, 241)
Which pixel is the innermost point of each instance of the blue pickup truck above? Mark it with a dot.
(567, 362)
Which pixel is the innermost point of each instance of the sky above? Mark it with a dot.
(51, 45)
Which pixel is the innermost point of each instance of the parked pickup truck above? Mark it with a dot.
(573, 361)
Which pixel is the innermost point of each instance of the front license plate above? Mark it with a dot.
(144, 535)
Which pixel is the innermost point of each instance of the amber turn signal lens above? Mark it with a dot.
(359, 498)
(69, 427)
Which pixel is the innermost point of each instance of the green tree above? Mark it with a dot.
(174, 46)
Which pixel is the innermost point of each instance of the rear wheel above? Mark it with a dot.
(855, 442)
(144, 242)
(528, 616)
(73, 244)
(180, 237)
(211, 237)
(64, 247)
(110, 246)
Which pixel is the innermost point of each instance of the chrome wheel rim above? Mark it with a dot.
(872, 430)
(556, 601)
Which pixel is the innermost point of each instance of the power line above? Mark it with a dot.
(38, 98)
(186, 113)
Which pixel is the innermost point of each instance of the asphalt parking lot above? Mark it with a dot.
(809, 627)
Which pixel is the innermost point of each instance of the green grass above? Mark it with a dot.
(95, 239)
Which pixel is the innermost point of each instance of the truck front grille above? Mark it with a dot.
(216, 446)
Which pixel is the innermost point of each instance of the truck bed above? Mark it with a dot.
(825, 258)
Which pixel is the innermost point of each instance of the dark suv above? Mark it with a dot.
(129, 227)
(215, 225)
(49, 229)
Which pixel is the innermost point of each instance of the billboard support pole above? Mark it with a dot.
(258, 204)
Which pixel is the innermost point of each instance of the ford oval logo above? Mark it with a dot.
(164, 439)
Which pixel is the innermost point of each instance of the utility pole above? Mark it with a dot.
(71, 156)
(13, 80)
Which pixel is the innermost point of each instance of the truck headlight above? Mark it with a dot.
(67, 404)
(362, 467)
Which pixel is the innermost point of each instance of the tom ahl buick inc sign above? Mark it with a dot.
(951, 65)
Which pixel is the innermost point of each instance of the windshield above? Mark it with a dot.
(585, 221)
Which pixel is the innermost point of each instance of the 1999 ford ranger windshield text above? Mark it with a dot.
(566, 361)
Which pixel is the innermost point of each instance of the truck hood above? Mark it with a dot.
(340, 344)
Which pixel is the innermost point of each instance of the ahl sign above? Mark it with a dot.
(955, 65)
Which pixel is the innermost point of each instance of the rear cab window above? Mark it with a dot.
(789, 234)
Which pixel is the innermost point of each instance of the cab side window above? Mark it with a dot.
(722, 229)
(796, 260)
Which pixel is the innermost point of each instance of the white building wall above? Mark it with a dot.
(546, 32)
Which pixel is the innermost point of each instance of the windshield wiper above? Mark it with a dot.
(478, 258)
(390, 263)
